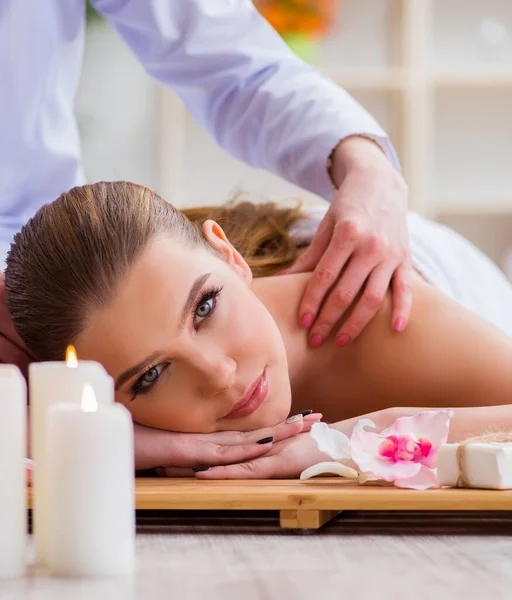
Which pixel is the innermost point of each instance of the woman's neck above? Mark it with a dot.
(282, 296)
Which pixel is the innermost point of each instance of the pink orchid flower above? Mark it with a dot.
(404, 454)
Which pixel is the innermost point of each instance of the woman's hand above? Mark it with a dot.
(286, 460)
(362, 245)
(178, 454)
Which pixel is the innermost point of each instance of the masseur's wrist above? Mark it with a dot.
(356, 153)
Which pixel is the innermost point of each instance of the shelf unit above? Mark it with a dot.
(437, 74)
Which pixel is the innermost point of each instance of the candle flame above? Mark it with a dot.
(71, 357)
(89, 402)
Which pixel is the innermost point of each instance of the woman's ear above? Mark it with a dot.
(216, 236)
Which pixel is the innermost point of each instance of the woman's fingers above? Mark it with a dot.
(174, 472)
(292, 426)
(212, 454)
(260, 468)
(232, 447)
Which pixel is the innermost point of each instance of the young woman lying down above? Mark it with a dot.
(200, 333)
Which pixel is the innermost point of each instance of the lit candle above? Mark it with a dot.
(13, 447)
(91, 489)
(55, 383)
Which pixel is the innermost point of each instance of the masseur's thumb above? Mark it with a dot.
(12, 349)
(307, 261)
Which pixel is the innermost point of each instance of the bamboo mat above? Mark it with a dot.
(307, 504)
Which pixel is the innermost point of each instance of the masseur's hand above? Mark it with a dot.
(363, 237)
(178, 454)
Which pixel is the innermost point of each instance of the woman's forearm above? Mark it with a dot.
(151, 447)
(466, 422)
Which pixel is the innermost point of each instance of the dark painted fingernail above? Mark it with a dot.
(266, 440)
(305, 413)
(198, 469)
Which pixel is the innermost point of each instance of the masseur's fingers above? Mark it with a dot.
(367, 306)
(402, 296)
(308, 260)
(340, 298)
(325, 274)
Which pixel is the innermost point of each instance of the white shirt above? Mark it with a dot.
(234, 73)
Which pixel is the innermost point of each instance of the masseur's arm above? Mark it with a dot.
(448, 356)
(244, 85)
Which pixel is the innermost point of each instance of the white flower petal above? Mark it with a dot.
(333, 468)
(365, 477)
(362, 423)
(331, 441)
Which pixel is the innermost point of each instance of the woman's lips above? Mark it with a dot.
(252, 400)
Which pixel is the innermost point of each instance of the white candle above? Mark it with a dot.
(13, 447)
(55, 383)
(91, 489)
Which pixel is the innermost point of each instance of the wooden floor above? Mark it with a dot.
(246, 555)
(226, 541)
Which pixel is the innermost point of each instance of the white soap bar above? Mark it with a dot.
(487, 466)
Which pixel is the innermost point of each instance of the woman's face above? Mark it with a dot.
(186, 341)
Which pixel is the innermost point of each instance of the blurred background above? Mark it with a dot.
(437, 75)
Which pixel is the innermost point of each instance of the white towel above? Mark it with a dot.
(448, 261)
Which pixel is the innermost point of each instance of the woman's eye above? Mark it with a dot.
(151, 376)
(206, 305)
(204, 309)
(148, 380)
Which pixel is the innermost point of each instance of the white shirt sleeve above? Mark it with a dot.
(244, 85)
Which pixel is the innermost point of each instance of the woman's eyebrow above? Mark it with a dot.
(189, 303)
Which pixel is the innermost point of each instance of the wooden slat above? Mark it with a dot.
(305, 519)
(315, 494)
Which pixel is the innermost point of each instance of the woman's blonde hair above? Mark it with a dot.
(68, 260)
(260, 232)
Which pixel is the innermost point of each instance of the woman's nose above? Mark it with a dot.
(216, 375)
